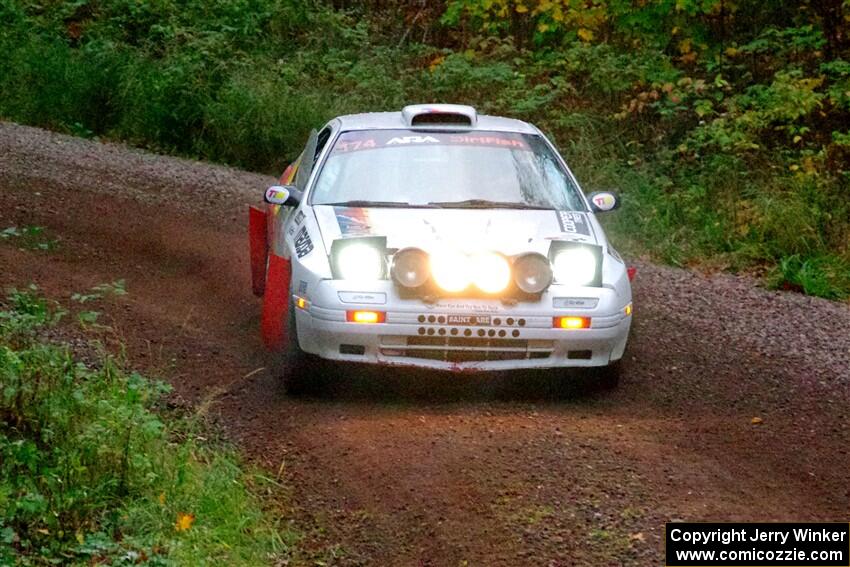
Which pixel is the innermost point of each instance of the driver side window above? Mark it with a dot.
(315, 143)
(322, 141)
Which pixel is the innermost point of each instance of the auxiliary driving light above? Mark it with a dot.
(575, 266)
(532, 273)
(359, 316)
(359, 259)
(410, 267)
(571, 322)
(490, 272)
(359, 262)
(450, 270)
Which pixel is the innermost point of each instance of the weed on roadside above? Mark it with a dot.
(29, 237)
(95, 470)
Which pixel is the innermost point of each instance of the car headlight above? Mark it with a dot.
(450, 270)
(532, 273)
(490, 272)
(410, 267)
(575, 266)
(360, 259)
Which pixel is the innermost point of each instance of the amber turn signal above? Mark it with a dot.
(571, 322)
(365, 316)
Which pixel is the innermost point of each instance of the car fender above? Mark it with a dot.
(297, 249)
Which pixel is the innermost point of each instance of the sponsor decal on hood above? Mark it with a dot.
(353, 221)
(573, 223)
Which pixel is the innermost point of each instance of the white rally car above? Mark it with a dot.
(439, 238)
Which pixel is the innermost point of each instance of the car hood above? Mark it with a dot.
(508, 231)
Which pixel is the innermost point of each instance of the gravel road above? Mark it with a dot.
(417, 469)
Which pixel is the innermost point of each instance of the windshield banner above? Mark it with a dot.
(374, 139)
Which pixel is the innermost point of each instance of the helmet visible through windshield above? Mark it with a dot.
(445, 169)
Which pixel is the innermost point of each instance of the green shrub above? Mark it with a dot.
(824, 275)
(260, 122)
(91, 470)
(46, 83)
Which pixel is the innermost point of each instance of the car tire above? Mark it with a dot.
(607, 377)
(301, 372)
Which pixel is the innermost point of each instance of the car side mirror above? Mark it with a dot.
(285, 195)
(603, 201)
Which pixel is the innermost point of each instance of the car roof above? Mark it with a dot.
(396, 120)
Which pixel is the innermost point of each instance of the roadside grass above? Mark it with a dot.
(95, 468)
(792, 231)
(823, 276)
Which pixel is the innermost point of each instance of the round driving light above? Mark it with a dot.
(410, 267)
(575, 266)
(360, 262)
(491, 272)
(532, 273)
(450, 270)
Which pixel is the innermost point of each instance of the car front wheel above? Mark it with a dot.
(301, 372)
(606, 377)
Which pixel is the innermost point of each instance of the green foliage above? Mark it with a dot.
(240, 122)
(30, 237)
(27, 314)
(114, 289)
(825, 276)
(91, 471)
(754, 117)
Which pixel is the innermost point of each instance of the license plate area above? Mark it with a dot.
(469, 320)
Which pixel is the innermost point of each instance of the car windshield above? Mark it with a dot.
(386, 168)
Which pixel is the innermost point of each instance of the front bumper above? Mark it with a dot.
(501, 336)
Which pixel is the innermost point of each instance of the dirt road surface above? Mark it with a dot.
(416, 469)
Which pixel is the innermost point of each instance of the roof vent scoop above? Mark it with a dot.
(439, 115)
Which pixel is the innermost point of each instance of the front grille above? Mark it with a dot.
(467, 342)
(462, 349)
